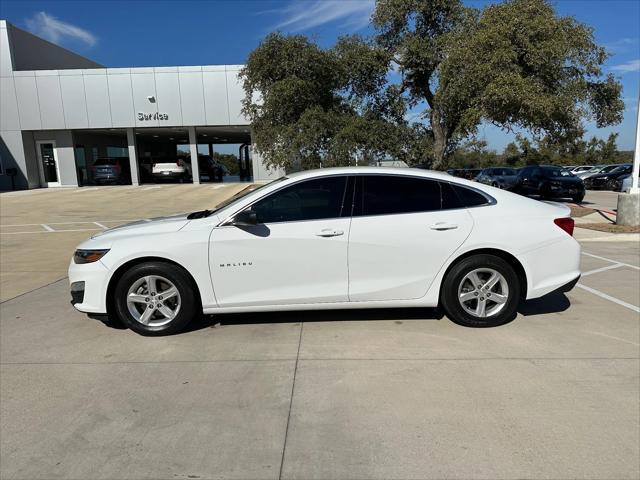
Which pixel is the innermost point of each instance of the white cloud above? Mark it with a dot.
(302, 15)
(54, 30)
(630, 66)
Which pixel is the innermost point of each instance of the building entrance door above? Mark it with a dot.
(48, 163)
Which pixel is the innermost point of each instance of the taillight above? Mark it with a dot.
(565, 224)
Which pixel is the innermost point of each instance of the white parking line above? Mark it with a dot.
(52, 231)
(101, 225)
(152, 188)
(603, 269)
(609, 297)
(216, 187)
(609, 260)
(47, 227)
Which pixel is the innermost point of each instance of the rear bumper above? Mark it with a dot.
(552, 267)
(161, 175)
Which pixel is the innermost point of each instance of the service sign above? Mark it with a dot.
(152, 116)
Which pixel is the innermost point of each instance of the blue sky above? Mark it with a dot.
(157, 33)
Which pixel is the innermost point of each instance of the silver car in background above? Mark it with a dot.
(598, 169)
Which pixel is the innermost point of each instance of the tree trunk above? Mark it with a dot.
(440, 141)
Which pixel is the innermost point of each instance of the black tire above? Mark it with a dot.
(545, 192)
(578, 198)
(449, 291)
(189, 303)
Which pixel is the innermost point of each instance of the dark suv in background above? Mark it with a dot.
(548, 181)
(116, 170)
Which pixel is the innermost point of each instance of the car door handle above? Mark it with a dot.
(440, 226)
(329, 232)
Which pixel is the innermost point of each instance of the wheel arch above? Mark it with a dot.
(506, 256)
(117, 274)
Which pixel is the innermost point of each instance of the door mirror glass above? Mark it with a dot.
(245, 218)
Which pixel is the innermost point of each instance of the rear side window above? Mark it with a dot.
(308, 200)
(387, 195)
(457, 196)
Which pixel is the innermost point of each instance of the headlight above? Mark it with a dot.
(88, 256)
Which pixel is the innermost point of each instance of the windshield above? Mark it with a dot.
(233, 199)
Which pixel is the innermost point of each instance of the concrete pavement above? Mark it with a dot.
(322, 395)
(371, 394)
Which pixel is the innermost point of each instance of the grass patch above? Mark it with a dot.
(578, 211)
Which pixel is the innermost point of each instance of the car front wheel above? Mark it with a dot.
(155, 298)
(481, 291)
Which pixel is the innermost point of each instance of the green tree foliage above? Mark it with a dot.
(515, 64)
(311, 107)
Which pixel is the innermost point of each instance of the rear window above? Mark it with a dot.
(107, 161)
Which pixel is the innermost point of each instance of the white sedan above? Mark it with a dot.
(362, 237)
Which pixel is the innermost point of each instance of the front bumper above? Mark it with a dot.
(88, 286)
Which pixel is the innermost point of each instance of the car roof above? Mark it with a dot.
(366, 170)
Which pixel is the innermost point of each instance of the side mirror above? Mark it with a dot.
(245, 218)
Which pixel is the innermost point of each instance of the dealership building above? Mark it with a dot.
(63, 115)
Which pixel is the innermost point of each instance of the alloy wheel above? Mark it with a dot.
(153, 300)
(483, 292)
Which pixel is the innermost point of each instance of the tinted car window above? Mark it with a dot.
(307, 200)
(551, 172)
(107, 161)
(386, 195)
(466, 197)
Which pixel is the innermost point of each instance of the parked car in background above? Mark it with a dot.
(607, 181)
(210, 169)
(116, 170)
(548, 182)
(625, 183)
(580, 169)
(471, 173)
(169, 170)
(501, 177)
(413, 238)
(596, 170)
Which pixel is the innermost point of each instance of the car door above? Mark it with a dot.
(295, 253)
(401, 236)
(530, 180)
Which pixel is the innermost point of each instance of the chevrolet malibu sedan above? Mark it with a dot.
(363, 237)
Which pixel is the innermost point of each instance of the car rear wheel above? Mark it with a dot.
(155, 298)
(481, 291)
(578, 198)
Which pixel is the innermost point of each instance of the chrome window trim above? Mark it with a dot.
(490, 200)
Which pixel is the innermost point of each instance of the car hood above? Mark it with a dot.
(146, 226)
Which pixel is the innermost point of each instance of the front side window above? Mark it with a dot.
(314, 199)
(387, 195)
